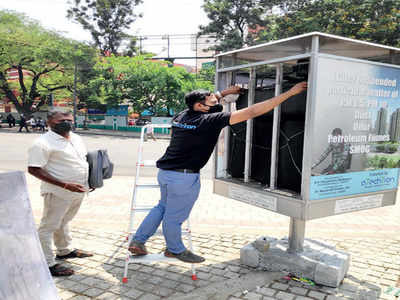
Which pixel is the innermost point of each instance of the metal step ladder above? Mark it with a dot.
(138, 208)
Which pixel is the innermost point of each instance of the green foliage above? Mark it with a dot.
(44, 60)
(369, 20)
(386, 147)
(146, 84)
(383, 162)
(380, 148)
(391, 148)
(107, 21)
(229, 21)
(207, 74)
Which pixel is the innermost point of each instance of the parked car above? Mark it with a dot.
(131, 122)
(142, 122)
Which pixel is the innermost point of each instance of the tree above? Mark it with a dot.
(147, 85)
(42, 59)
(154, 86)
(207, 74)
(106, 20)
(85, 63)
(230, 21)
(369, 20)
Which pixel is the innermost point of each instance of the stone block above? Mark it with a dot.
(319, 262)
(249, 256)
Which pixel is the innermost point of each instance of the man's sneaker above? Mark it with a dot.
(186, 256)
(137, 248)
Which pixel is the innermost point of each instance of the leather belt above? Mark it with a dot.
(185, 171)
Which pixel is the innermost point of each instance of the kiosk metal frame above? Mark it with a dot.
(313, 46)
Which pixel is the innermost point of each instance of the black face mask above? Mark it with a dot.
(62, 127)
(214, 108)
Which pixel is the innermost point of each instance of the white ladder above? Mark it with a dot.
(137, 208)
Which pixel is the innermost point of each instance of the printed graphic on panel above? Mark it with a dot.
(357, 129)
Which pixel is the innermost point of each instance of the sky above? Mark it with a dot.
(160, 17)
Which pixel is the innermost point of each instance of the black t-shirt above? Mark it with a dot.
(194, 135)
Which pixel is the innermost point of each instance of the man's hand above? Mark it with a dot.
(74, 187)
(230, 90)
(42, 174)
(298, 88)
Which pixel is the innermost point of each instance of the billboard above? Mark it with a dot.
(356, 129)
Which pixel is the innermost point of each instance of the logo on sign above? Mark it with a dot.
(383, 180)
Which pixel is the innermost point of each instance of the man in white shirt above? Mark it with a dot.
(58, 158)
(149, 133)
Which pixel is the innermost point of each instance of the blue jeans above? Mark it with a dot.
(179, 192)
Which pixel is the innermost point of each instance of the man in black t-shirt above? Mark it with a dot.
(195, 132)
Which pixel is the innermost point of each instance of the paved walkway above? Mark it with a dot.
(221, 226)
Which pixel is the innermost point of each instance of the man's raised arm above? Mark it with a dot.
(261, 108)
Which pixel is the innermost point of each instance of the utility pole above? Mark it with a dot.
(166, 37)
(168, 45)
(196, 55)
(75, 74)
(140, 45)
(50, 103)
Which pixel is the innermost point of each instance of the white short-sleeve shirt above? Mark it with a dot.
(64, 159)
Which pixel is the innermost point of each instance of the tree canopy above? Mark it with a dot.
(369, 20)
(107, 21)
(230, 21)
(42, 59)
(147, 85)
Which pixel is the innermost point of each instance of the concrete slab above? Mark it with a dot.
(319, 262)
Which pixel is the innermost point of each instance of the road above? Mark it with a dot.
(122, 150)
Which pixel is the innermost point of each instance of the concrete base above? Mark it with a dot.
(319, 262)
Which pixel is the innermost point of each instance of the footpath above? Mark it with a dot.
(221, 227)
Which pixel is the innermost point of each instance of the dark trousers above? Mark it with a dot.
(23, 126)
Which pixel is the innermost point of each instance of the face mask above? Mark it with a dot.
(215, 108)
(62, 127)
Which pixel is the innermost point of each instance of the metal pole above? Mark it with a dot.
(275, 129)
(196, 56)
(221, 163)
(298, 227)
(51, 100)
(249, 126)
(168, 44)
(86, 119)
(297, 231)
(75, 75)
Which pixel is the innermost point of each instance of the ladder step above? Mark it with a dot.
(159, 125)
(146, 163)
(159, 232)
(142, 208)
(147, 185)
(150, 258)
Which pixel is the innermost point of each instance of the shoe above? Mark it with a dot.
(185, 256)
(59, 270)
(137, 248)
(75, 254)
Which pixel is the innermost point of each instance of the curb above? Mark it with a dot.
(118, 134)
(92, 132)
